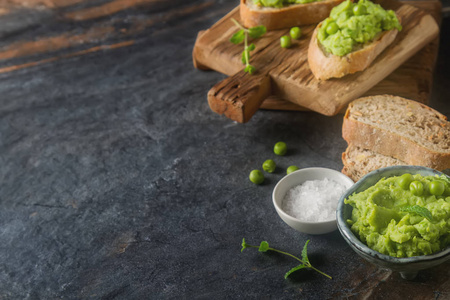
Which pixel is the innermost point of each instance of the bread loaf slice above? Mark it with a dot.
(285, 17)
(400, 128)
(325, 65)
(358, 162)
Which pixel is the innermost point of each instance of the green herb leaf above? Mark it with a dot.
(244, 58)
(420, 210)
(256, 32)
(302, 266)
(250, 69)
(305, 253)
(244, 245)
(251, 47)
(264, 246)
(242, 35)
(238, 37)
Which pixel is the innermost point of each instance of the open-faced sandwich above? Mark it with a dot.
(351, 38)
(277, 14)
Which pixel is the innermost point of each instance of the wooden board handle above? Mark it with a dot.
(238, 97)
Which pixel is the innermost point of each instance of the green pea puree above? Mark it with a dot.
(389, 216)
(357, 24)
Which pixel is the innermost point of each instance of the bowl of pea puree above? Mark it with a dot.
(398, 218)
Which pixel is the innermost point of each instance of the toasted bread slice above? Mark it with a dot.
(404, 129)
(285, 17)
(326, 65)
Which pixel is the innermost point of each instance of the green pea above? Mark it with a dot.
(359, 10)
(256, 176)
(322, 34)
(437, 187)
(285, 41)
(269, 166)
(280, 148)
(332, 28)
(291, 169)
(295, 33)
(405, 180)
(416, 187)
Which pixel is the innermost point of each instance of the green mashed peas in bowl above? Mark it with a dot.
(398, 218)
(403, 216)
(351, 25)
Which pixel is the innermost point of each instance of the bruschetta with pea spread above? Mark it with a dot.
(351, 38)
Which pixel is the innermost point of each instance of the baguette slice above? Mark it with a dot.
(325, 65)
(404, 129)
(285, 17)
(358, 162)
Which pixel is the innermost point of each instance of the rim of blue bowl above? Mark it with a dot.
(350, 237)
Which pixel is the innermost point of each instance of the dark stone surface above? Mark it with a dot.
(118, 182)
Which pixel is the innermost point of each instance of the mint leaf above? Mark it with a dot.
(244, 58)
(242, 36)
(251, 47)
(305, 253)
(244, 245)
(264, 246)
(238, 37)
(293, 270)
(256, 32)
(250, 69)
(422, 211)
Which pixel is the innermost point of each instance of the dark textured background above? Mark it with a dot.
(118, 182)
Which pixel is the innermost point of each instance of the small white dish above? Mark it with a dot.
(299, 177)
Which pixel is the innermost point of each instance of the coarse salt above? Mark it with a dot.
(313, 200)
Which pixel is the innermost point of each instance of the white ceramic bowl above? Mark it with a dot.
(299, 177)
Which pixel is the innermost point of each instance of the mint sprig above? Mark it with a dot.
(305, 264)
(420, 210)
(242, 36)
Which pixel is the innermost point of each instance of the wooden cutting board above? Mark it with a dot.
(284, 73)
(412, 80)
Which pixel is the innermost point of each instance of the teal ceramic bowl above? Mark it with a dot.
(409, 266)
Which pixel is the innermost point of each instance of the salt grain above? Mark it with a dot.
(314, 200)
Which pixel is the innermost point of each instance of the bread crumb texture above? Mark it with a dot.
(406, 118)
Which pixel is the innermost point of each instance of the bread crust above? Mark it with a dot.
(325, 65)
(389, 143)
(349, 168)
(286, 17)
